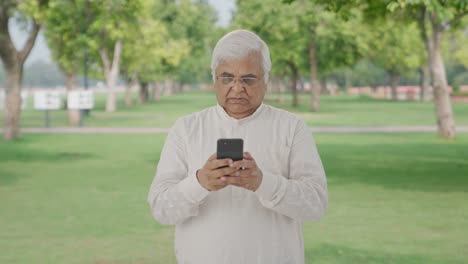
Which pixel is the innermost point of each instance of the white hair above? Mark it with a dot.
(238, 44)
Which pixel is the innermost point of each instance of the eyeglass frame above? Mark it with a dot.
(241, 79)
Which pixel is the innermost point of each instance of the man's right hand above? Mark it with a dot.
(210, 175)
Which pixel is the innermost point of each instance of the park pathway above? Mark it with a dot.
(155, 130)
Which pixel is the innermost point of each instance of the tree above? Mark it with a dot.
(304, 37)
(436, 17)
(110, 21)
(396, 48)
(33, 13)
(65, 33)
(150, 49)
(277, 24)
(195, 22)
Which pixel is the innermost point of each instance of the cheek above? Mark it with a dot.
(220, 94)
(258, 95)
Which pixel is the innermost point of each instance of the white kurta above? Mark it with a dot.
(234, 225)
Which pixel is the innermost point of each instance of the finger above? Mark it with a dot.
(247, 173)
(248, 156)
(218, 163)
(244, 164)
(219, 183)
(227, 171)
(212, 157)
(232, 180)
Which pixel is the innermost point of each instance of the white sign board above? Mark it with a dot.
(24, 100)
(47, 100)
(83, 99)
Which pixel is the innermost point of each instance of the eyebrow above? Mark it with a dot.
(227, 74)
(250, 75)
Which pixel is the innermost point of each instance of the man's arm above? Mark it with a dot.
(175, 195)
(304, 195)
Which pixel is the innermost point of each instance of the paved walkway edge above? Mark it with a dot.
(152, 130)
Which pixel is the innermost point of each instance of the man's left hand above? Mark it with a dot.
(247, 176)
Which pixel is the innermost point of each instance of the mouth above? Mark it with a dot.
(237, 100)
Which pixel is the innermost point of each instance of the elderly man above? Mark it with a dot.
(246, 211)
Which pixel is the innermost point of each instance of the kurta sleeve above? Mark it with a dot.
(304, 195)
(175, 195)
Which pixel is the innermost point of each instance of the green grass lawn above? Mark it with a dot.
(342, 110)
(394, 198)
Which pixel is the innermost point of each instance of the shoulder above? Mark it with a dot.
(189, 122)
(282, 115)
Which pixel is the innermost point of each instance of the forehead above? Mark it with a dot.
(250, 64)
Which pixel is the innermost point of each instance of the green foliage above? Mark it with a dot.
(459, 45)
(148, 47)
(365, 73)
(192, 24)
(278, 26)
(444, 11)
(66, 33)
(341, 42)
(196, 22)
(396, 47)
(289, 30)
(109, 21)
(34, 9)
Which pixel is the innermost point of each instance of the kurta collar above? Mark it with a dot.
(224, 116)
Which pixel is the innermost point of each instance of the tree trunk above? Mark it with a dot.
(424, 82)
(394, 80)
(186, 87)
(443, 105)
(314, 83)
(177, 87)
(270, 89)
(425, 70)
(144, 93)
(156, 92)
(282, 90)
(73, 114)
(12, 109)
(323, 86)
(128, 94)
(293, 83)
(111, 72)
(13, 61)
(169, 86)
(347, 79)
(130, 82)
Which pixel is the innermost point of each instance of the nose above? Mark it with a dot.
(237, 85)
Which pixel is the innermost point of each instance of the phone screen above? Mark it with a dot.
(232, 148)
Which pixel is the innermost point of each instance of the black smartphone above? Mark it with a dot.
(232, 148)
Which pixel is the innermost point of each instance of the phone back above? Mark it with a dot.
(232, 148)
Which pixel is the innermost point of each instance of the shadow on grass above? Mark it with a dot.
(327, 253)
(429, 167)
(23, 155)
(20, 151)
(7, 177)
(10, 153)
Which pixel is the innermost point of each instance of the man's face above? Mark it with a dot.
(240, 86)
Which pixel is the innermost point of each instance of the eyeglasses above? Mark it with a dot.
(245, 81)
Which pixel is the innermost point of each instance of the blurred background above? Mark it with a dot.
(89, 89)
